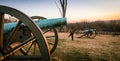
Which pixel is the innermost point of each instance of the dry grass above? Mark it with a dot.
(102, 48)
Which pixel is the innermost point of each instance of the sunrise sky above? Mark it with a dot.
(76, 10)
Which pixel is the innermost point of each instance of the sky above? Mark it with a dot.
(76, 10)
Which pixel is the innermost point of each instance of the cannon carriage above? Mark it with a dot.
(24, 39)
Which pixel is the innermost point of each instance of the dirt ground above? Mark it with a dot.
(101, 48)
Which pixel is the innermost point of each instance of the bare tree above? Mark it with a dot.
(62, 6)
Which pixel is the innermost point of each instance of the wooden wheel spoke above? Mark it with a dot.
(49, 36)
(26, 52)
(29, 47)
(12, 34)
(23, 51)
(1, 29)
(34, 48)
(20, 45)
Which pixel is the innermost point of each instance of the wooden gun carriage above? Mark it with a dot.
(24, 39)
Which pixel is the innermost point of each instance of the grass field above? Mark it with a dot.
(102, 48)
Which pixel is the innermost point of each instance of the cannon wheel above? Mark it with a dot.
(6, 52)
(52, 38)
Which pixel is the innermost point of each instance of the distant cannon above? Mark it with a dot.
(90, 33)
(24, 39)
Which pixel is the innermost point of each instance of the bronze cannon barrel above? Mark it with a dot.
(43, 24)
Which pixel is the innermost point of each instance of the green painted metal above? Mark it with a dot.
(43, 24)
(51, 23)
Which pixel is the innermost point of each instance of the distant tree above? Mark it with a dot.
(62, 6)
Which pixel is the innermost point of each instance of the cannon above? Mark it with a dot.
(90, 33)
(24, 39)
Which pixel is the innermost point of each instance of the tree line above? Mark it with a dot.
(105, 26)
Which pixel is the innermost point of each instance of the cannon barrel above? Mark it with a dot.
(43, 24)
